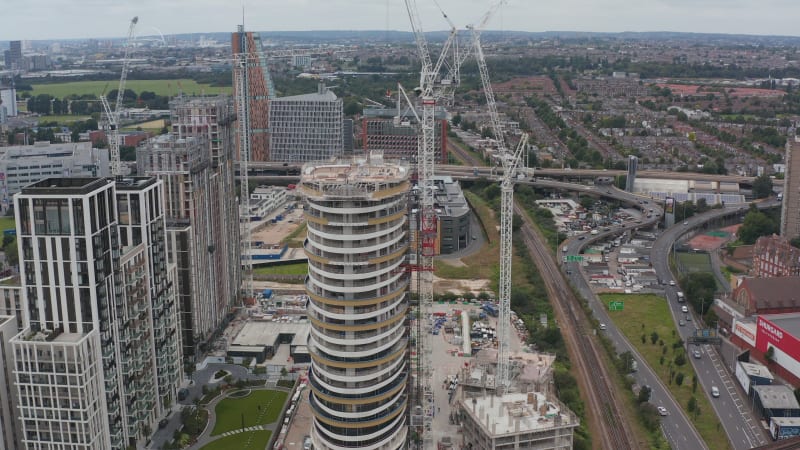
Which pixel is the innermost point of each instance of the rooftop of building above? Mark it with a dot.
(66, 186)
(786, 421)
(134, 183)
(776, 396)
(515, 413)
(789, 322)
(260, 334)
(778, 292)
(406, 114)
(5, 319)
(170, 140)
(50, 336)
(357, 170)
(756, 370)
(449, 196)
(43, 149)
(323, 94)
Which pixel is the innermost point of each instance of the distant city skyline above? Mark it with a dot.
(76, 19)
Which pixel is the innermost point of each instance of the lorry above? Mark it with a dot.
(681, 298)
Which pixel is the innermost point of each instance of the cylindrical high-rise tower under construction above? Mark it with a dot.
(357, 283)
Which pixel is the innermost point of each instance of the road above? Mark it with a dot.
(741, 428)
(677, 427)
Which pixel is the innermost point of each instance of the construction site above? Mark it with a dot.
(387, 372)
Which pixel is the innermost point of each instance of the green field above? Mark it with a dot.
(695, 262)
(7, 223)
(255, 440)
(283, 269)
(160, 87)
(645, 314)
(259, 408)
(61, 119)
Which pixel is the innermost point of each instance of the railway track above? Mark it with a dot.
(585, 351)
(463, 155)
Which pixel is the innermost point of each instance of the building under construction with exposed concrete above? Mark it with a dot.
(357, 284)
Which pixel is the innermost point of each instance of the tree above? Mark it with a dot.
(644, 394)
(654, 337)
(679, 378)
(762, 186)
(770, 354)
(692, 405)
(755, 225)
(699, 288)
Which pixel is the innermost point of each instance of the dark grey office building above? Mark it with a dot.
(454, 215)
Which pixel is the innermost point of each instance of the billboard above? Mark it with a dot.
(669, 205)
(768, 334)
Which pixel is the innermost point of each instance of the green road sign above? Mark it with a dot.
(616, 306)
(574, 258)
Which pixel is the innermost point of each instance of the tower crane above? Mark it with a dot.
(433, 88)
(112, 117)
(510, 161)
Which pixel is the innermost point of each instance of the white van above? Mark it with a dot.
(565, 249)
(680, 297)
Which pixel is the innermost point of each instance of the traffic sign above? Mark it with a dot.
(574, 258)
(616, 306)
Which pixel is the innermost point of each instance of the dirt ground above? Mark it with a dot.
(274, 233)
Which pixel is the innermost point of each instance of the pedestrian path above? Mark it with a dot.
(245, 430)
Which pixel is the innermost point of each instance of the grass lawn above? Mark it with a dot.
(62, 119)
(160, 87)
(484, 263)
(648, 313)
(256, 440)
(231, 411)
(7, 223)
(284, 269)
(695, 262)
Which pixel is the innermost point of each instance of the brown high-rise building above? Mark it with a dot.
(259, 91)
(774, 256)
(790, 213)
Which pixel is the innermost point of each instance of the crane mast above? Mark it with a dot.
(510, 162)
(241, 63)
(112, 117)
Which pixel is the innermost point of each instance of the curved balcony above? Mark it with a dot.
(345, 376)
(352, 315)
(338, 339)
(361, 207)
(357, 230)
(335, 258)
(337, 248)
(352, 351)
(375, 360)
(342, 219)
(355, 273)
(363, 422)
(359, 287)
(349, 236)
(399, 316)
(389, 437)
(358, 411)
(368, 394)
(319, 295)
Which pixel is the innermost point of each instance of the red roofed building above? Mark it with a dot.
(768, 295)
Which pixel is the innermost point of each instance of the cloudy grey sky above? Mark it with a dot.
(55, 19)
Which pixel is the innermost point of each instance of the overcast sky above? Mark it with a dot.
(59, 19)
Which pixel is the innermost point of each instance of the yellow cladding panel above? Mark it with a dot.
(315, 219)
(383, 193)
(390, 256)
(379, 220)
